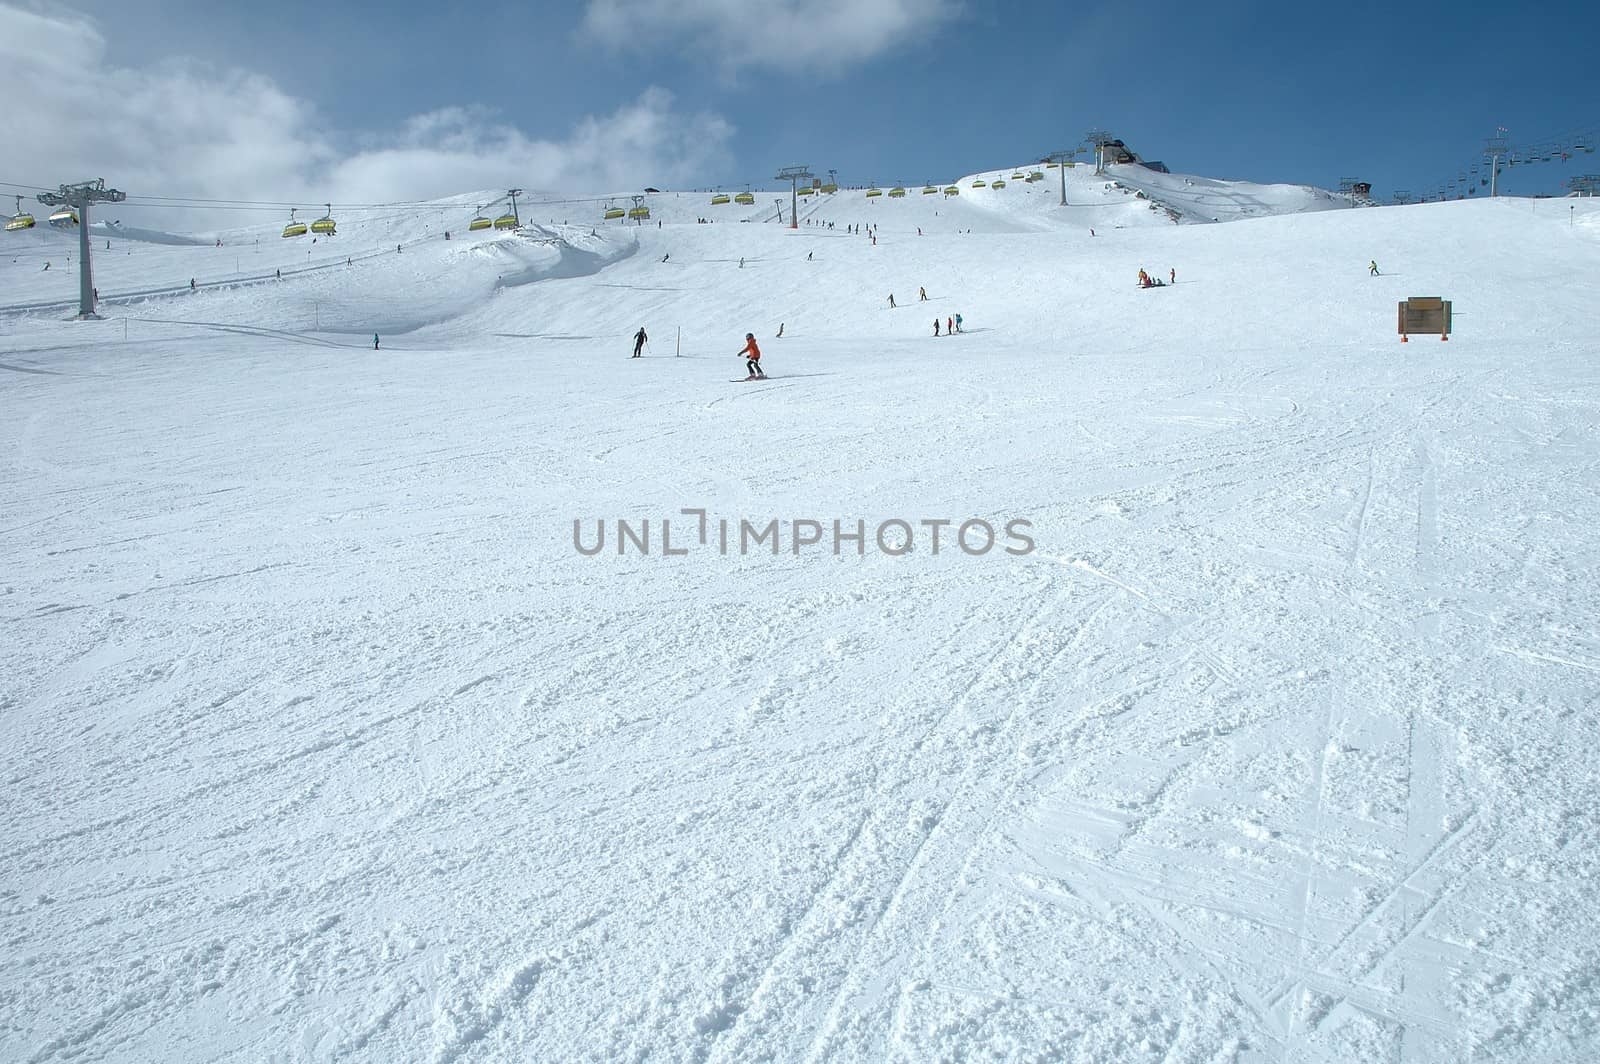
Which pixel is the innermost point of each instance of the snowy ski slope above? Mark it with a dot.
(326, 743)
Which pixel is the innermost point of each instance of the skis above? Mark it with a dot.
(741, 380)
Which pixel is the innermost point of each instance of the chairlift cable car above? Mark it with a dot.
(325, 226)
(479, 222)
(64, 218)
(294, 228)
(19, 221)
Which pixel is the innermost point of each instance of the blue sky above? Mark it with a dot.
(718, 92)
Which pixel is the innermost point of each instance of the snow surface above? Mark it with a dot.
(325, 743)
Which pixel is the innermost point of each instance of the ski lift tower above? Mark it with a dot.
(1061, 159)
(80, 196)
(514, 193)
(1494, 149)
(794, 175)
(1098, 139)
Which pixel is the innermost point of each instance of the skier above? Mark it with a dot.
(46, 267)
(191, 284)
(752, 356)
(949, 326)
(922, 295)
(638, 341)
(1172, 275)
(891, 300)
(741, 262)
(667, 256)
(808, 256)
(279, 274)
(958, 323)
(1372, 268)
(780, 328)
(936, 326)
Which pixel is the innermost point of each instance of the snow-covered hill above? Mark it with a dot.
(328, 742)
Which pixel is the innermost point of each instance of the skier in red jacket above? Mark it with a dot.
(752, 355)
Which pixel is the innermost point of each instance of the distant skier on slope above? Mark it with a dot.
(936, 326)
(752, 356)
(1372, 268)
(639, 339)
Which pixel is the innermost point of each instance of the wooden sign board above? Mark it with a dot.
(1426, 316)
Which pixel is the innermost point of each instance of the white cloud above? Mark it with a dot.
(192, 129)
(795, 36)
(458, 149)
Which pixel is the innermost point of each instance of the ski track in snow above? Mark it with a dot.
(327, 744)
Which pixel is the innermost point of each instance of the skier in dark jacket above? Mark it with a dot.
(639, 339)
